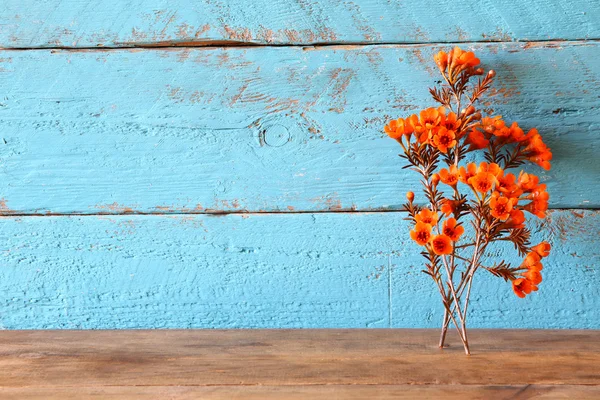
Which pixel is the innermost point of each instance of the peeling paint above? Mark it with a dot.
(116, 208)
(329, 202)
(4, 209)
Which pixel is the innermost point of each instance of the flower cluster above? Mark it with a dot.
(503, 189)
(454, 62)
(531, 267)
(432, 126)
(489, 198)
(439, 244)
(495, 129)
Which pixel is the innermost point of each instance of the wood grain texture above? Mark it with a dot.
(303, 392)
(270, 270)
(86, 23)
(263, 129)
(246, 359)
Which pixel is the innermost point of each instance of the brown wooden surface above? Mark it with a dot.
(294, 364)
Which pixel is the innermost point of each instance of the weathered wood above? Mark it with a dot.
(296, 357)
(84, 23)
(257, 270)
(263, 129)
(313, 392)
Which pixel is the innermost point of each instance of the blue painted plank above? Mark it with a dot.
(263, 129)
(85, 23)
(275, 271)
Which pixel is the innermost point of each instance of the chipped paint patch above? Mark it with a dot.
(4, 209)
(499, 35)
(329, 202)
(285, 35)
(116, 208)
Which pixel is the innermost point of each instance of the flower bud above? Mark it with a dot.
(470, 110)
(441, 59)
(435, 178)
(410, 196)
(491, 73)
(477, 116)
(478, 71)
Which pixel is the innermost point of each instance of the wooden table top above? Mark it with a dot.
(298, 364)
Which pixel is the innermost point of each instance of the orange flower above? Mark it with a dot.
(523, 287)
(451, 122)
(447, 206)
(539, 194)
(427, 216)
(429, 119)
(441, 59)
(464, 174)
(503, 133)
(532, 276)
(453, 231)
(476, 140)
(421, 233)
(542, 249)
(532, 258)
(535, 277)
(482, 182)
(443, 139)
(398, 127)
(515, 220)
(516, 133)
(537, 208)
(450, 177)
(492, 168)
(543, 160)
(501, 206)
(441, 244)
(536, 150)
(507, 185)
(528, 182)
(492, 124)
(462, 59)
(536, 267)
(413, 120)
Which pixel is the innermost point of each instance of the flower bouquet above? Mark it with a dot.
(489, 198)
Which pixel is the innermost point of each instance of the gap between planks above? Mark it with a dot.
(212, 44)
(219, 213)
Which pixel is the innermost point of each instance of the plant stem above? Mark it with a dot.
(447, 311)
(444, 328)
(462, 328)
(463, 284)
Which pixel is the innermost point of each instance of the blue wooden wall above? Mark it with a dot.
(195, 163)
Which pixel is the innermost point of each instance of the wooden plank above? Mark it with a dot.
(84, 23)
(313, 392)
(263, 129)
(321, 270)
(295, 357)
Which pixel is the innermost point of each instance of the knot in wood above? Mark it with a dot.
(276, 135)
